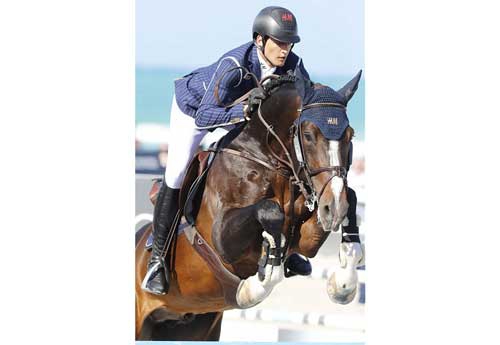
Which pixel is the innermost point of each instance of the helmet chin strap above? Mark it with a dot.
(261, 48)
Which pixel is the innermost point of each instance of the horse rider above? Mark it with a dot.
(195, 106)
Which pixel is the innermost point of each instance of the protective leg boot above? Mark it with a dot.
(296, 265)
(350, 232)
(157, 279)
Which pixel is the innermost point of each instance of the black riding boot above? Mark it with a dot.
(350, 233)
(157, 279)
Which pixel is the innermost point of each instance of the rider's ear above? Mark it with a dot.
(259, 41)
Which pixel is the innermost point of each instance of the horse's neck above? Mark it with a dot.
(253, 138)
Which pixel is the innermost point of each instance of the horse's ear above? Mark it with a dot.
(350, 88)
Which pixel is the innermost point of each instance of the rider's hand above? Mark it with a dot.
(256, 96)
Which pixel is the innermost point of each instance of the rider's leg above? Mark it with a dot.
(183, 143)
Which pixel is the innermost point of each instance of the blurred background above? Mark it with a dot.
(172, 39)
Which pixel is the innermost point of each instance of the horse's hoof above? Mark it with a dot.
(296, 265)
(341, 292)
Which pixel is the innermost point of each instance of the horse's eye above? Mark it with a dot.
(308, 136)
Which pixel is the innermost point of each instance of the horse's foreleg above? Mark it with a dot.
(234, 232)
(256, 288)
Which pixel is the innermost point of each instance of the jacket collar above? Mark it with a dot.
(254, 62)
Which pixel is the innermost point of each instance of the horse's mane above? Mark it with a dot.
(275, 83)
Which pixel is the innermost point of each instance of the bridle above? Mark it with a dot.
(305, 185)
(292, 171)
(340, 171)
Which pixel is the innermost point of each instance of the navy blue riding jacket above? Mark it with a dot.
(195, 92)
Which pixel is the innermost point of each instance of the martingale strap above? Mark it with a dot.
(226, 278)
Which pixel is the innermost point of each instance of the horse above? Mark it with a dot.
(270, 192)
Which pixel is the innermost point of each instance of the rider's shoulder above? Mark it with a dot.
(293, 59)
(240, 52)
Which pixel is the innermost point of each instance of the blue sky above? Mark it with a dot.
(192, 34)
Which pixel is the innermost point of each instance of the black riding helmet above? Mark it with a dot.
(278, 23)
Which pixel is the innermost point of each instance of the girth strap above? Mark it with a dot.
(226, 278)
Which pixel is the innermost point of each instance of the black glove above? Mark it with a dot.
(256, 95)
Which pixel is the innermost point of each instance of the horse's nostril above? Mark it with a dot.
(326, 208)
(343, 286)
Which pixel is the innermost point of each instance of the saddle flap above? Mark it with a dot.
(193, 184)
(196, 168)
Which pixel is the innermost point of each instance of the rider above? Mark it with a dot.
(195, 106)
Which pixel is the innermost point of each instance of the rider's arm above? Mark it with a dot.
(209, 111)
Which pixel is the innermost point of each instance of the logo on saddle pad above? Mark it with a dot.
(333, 121)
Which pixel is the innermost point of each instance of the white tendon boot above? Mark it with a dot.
(343, 283)
(253, 290)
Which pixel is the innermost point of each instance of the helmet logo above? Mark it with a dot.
(286, 17)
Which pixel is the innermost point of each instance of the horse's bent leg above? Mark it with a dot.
(234, 232)
(237, 229)
(202, 327)
(214, 330)
(146, 330)
(343, 283)
(271, 217)
(350, 231)
(254, 289)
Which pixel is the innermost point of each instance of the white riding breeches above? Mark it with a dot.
(183, 143)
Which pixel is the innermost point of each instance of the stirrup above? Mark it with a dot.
(155, 269)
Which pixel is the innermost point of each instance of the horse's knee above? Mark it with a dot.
(270, 216)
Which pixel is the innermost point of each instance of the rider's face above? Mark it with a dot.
(275, 51)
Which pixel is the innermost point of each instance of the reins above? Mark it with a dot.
(291, 172)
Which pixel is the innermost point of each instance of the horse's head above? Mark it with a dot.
(325, 137)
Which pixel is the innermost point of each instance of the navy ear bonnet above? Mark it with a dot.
(332, 121)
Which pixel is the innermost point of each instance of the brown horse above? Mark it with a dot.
(264, 197)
